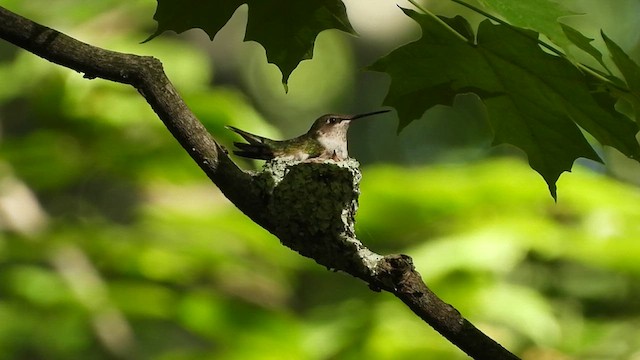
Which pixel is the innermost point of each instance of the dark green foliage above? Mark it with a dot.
(535, 100)
(286, 29)
(630, 71)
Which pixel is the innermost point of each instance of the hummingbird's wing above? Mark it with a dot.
(258, 147)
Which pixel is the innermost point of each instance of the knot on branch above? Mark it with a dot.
(395, 273)
(311, 208)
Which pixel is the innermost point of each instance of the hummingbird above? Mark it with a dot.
(326, 139)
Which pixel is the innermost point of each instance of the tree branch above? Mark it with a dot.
(315, 226)
(146, 74)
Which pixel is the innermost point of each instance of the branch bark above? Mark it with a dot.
(332, 244)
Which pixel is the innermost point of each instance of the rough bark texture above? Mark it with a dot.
(310, 206)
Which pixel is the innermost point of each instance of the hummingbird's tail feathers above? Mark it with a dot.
(249, 137)
(257, 147)
(253, 151)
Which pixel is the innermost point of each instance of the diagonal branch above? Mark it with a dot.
(313, 226)
(146, 74)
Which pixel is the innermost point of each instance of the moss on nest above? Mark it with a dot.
(312, 207)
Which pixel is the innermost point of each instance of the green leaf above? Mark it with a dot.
(582, 42)
(460, 25)
(539, 15)
(630, 71)
(181, 16)
(534, 100)
(286, 29)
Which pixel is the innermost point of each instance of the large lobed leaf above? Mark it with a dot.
(535, 101)
(286, 29)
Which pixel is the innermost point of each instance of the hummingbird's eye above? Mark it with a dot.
(332, 120)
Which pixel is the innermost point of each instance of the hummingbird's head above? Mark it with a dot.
(336, 124)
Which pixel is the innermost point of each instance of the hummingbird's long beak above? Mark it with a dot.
(368, 114)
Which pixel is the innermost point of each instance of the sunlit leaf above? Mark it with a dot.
(539, 15)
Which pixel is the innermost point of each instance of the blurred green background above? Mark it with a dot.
(114, 245)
